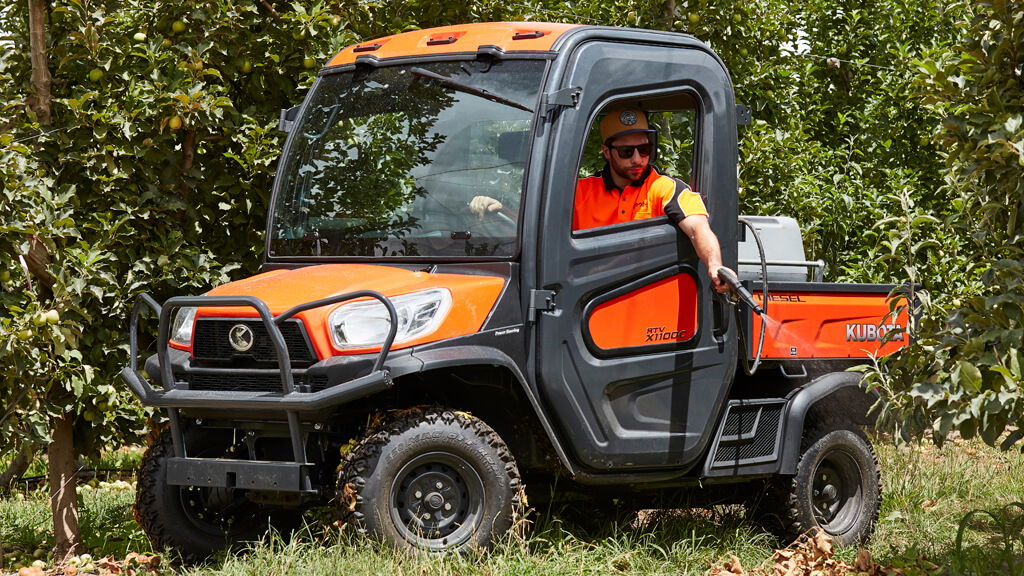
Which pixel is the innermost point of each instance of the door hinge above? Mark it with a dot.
(564, 98)
(744, 116)
(540, 301)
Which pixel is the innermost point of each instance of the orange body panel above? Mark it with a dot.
(474, 296)
(662, 312)
(827, 325)
(467, 38)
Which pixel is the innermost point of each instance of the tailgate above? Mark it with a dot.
(823, 320)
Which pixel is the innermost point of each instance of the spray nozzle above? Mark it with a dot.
(726, 275)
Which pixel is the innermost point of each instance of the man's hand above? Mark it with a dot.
(716, 282)
(481, 205)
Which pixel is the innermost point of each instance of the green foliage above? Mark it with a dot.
(154, 176)
(964, 372)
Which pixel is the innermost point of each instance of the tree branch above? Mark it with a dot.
(18, 466)
(40, 101)
(188, 153)
(38, 261)
(270, 8)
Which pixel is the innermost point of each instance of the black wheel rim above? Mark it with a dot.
(837, 492)
(437, 501)
(216, 511)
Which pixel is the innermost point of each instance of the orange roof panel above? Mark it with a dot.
(508, 36)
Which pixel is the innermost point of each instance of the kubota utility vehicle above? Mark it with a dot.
(421, 368)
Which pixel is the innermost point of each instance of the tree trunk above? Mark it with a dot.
(63, 498)
(18, 466)
(40, 101)
(668, 13)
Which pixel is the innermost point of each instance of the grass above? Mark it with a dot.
(929, 509)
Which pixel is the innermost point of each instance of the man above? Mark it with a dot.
(630, 189)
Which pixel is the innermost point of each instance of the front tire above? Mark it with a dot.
(430, 479)
(837, 489)
(196, 522)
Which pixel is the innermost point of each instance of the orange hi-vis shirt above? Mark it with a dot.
(600, 203)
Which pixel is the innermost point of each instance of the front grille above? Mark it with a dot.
(233, 382)
(210, 342)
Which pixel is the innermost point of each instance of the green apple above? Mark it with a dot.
(5, 275)
(178, 26)
(308, 63)
(96, 74)
(52, 316)
(140, 36)
(24, 334)
(174, 123)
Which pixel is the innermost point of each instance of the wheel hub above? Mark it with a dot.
(836, 492)
(436, 500)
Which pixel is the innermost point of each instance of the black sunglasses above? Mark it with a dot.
(627, 151)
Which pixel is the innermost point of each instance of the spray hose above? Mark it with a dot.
(742, 293)
(747, 298)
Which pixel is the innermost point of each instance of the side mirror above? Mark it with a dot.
(287, 120)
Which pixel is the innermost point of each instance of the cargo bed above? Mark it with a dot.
(817, 320)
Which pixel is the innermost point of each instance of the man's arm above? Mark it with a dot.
(704, 241)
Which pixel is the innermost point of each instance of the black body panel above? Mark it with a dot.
(650, 411)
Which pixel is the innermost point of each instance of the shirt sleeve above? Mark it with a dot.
(683, 202)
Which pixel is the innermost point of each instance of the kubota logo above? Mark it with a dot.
(241, 337)
(872, 332)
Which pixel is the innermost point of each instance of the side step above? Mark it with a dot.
(748, 440)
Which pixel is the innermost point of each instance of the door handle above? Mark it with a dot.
(720, 317)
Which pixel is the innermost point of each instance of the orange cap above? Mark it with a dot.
(622, 121)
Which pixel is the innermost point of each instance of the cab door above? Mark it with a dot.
(635, 359)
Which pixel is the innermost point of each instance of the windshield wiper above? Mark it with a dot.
(456, 85)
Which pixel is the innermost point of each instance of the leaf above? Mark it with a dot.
(969, 375)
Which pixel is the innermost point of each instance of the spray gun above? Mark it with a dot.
(725, 275)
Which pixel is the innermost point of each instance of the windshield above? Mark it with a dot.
(385, 161)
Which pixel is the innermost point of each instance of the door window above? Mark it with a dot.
(674, 118)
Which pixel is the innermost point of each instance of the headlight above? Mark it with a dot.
(181, 328)
(366, 324)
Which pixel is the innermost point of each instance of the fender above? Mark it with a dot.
(839, 392)
(469, 355)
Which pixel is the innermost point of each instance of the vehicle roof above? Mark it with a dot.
(462, 38)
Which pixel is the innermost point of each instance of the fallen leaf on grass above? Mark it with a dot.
(621, 562)
(811, 555)
(732, 567)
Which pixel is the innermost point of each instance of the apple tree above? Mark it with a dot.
(964, 372)
(138, 152)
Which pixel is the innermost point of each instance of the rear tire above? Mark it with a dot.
(837, 488)
(430, 479)
(195, 522)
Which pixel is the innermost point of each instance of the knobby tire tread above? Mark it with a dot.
(357, 463)
(779, 509)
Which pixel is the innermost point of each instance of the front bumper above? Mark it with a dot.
(291, 400)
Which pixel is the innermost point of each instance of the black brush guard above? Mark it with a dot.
(228, 473)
